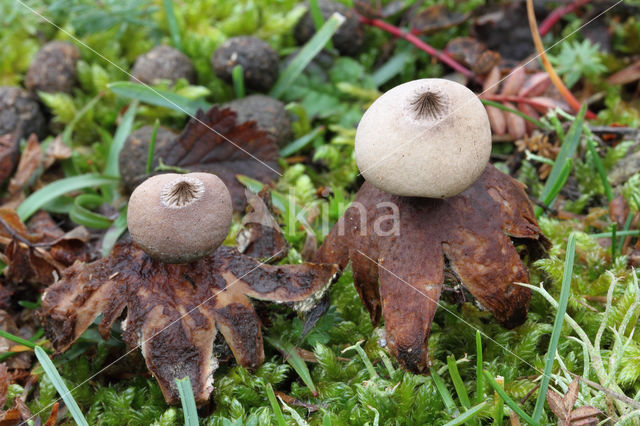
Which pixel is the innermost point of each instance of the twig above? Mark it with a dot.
(620, 397)
(416, 41)
(558, 13)
(555, 79)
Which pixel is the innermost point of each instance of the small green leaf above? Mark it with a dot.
(158, 97)
(510, 402)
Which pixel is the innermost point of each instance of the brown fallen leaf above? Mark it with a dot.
(619, 210)
(175, 311)
(289, 400)
(53, 417)
(9, 152)
(251, 151)
(18, 361)
(626, 75)
(34, 258)
(5, 294)
(474, 54)
(4, 384)
(477, 231)
(29, 162)
(261, 236)
(436, 18)
(562, 407)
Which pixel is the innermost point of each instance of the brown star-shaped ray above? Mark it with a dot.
(402, 243)
(174, 311)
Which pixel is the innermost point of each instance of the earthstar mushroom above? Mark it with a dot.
(180, 218)
(425, 138)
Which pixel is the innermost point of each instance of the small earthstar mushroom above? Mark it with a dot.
(180, 218)
(425, 138)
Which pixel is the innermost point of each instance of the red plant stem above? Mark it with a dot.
(416, 41)
(558, 13)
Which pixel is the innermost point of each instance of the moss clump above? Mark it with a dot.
(268, 112)
(163, 63)
(258, 60)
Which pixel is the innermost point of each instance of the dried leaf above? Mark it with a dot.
(497, 119)
(9, 150)
(487, 60)
(531, 112)
(514, 82)
(53, 417)
(29, 163)
(175, 311)
(57, 150)
(626, 75)
(436, 18)
(289, 400)
(586, 415)
(34, 258)
(465, 49)
(535, 85)
(515, 124)
(19, 361)
(404, 251)
(251, 151)
(5, 294)
(556, 403)
(571, 396)
(4, 384)
(261, 236)
(11, 417)
(491, 82)
(619, 210)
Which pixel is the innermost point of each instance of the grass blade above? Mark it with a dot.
(557, 326)
(539, 124)
(510, 402)
(458, 384)
(237, 77)
(189, 409)
(295, 361)
(391, 68)
(479, 384)
(275, 406)
(82, 215)
(117, 228)
(467, 416)
(158, 97)
(152, 146)
(600, 168)
(60, 187)
(172, 22)
(444, 393)
(306, 54)
(61, 387)
(632, 233)
(122, 133)
(549, 196)
(569, 146)
(301, 142)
